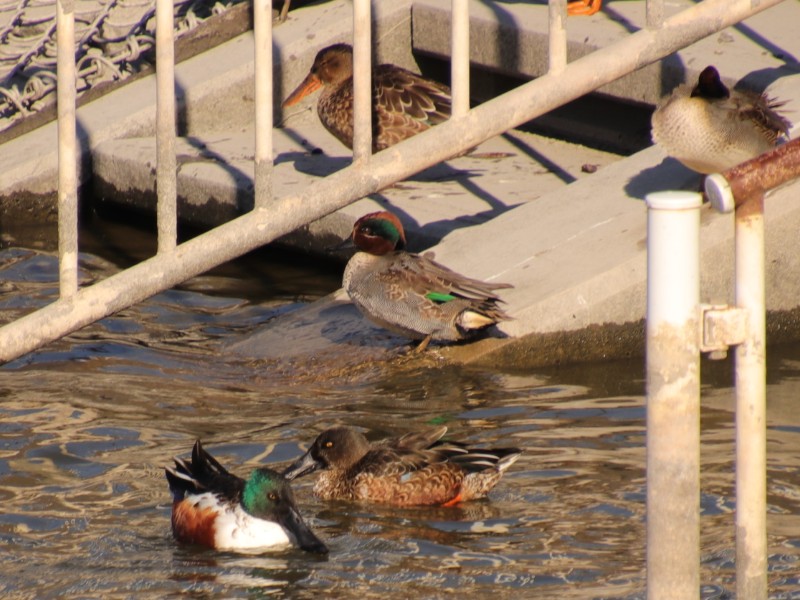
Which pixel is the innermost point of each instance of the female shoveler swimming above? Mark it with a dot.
(415, 469)
(217, 509)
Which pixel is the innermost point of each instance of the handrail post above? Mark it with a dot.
(166, 165)
(557, 36)
(673, 396)
(459, 58)
(67, 150)
(362, 81)
(262, 31)
(654, 14)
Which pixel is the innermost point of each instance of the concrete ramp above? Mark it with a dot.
(577, 260)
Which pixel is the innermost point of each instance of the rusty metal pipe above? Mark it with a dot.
(743, 188)
(752, 179)
(751, 403)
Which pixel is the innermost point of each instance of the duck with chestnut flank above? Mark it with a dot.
(404, 103)
(214, 508)
(412, 470)
(411, 294)
(710, 128)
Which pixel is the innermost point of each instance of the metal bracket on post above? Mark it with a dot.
(721, 326)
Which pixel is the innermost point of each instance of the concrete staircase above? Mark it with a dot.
(565, 224)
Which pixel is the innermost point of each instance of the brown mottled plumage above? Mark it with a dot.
(710, 129)
(415, 469)
(404, 103)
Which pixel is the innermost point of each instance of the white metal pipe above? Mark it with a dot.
(262, 29)
(166, 165)
(751, 429)
(385, 168)
(654, 13)
(557, 36)
(362, 81)
(673, 395)
(67, 150)
(743, 187)
(459, 58)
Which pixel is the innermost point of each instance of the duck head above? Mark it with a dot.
(267, 495)
(710, 86)
(332, 66)
(379, 233)
(338, 448)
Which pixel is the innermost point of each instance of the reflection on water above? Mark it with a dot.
(87, 424)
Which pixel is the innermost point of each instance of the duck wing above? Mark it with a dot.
(202, 474)
(416, 440)
(400, 91)
(763, 111)
(429, 278)
(406, 104)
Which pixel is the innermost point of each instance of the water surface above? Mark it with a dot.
(87, 424)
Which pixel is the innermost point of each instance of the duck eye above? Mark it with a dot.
(329, 444)
(272, 496)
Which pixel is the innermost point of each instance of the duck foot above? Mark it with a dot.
(422, 345)
(284, 11)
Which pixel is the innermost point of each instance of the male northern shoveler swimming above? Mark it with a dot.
(404, 103)
(215, 508)
(412, 294)
(710, 128)
(415, 469)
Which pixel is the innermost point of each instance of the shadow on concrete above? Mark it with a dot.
(244, 181)
(669, 174)
(548, 164)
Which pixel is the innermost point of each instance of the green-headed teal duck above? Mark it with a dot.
(214, 508)
(411, 294)
(415, 469)
(404, 103)
(710, 129)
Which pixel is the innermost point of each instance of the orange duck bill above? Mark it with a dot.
(308, 86)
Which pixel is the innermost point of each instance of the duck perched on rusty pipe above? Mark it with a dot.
(710, 128)
(404, 103)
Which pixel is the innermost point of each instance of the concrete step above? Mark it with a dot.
(215, 179)
(511, 38)
(215, 90)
